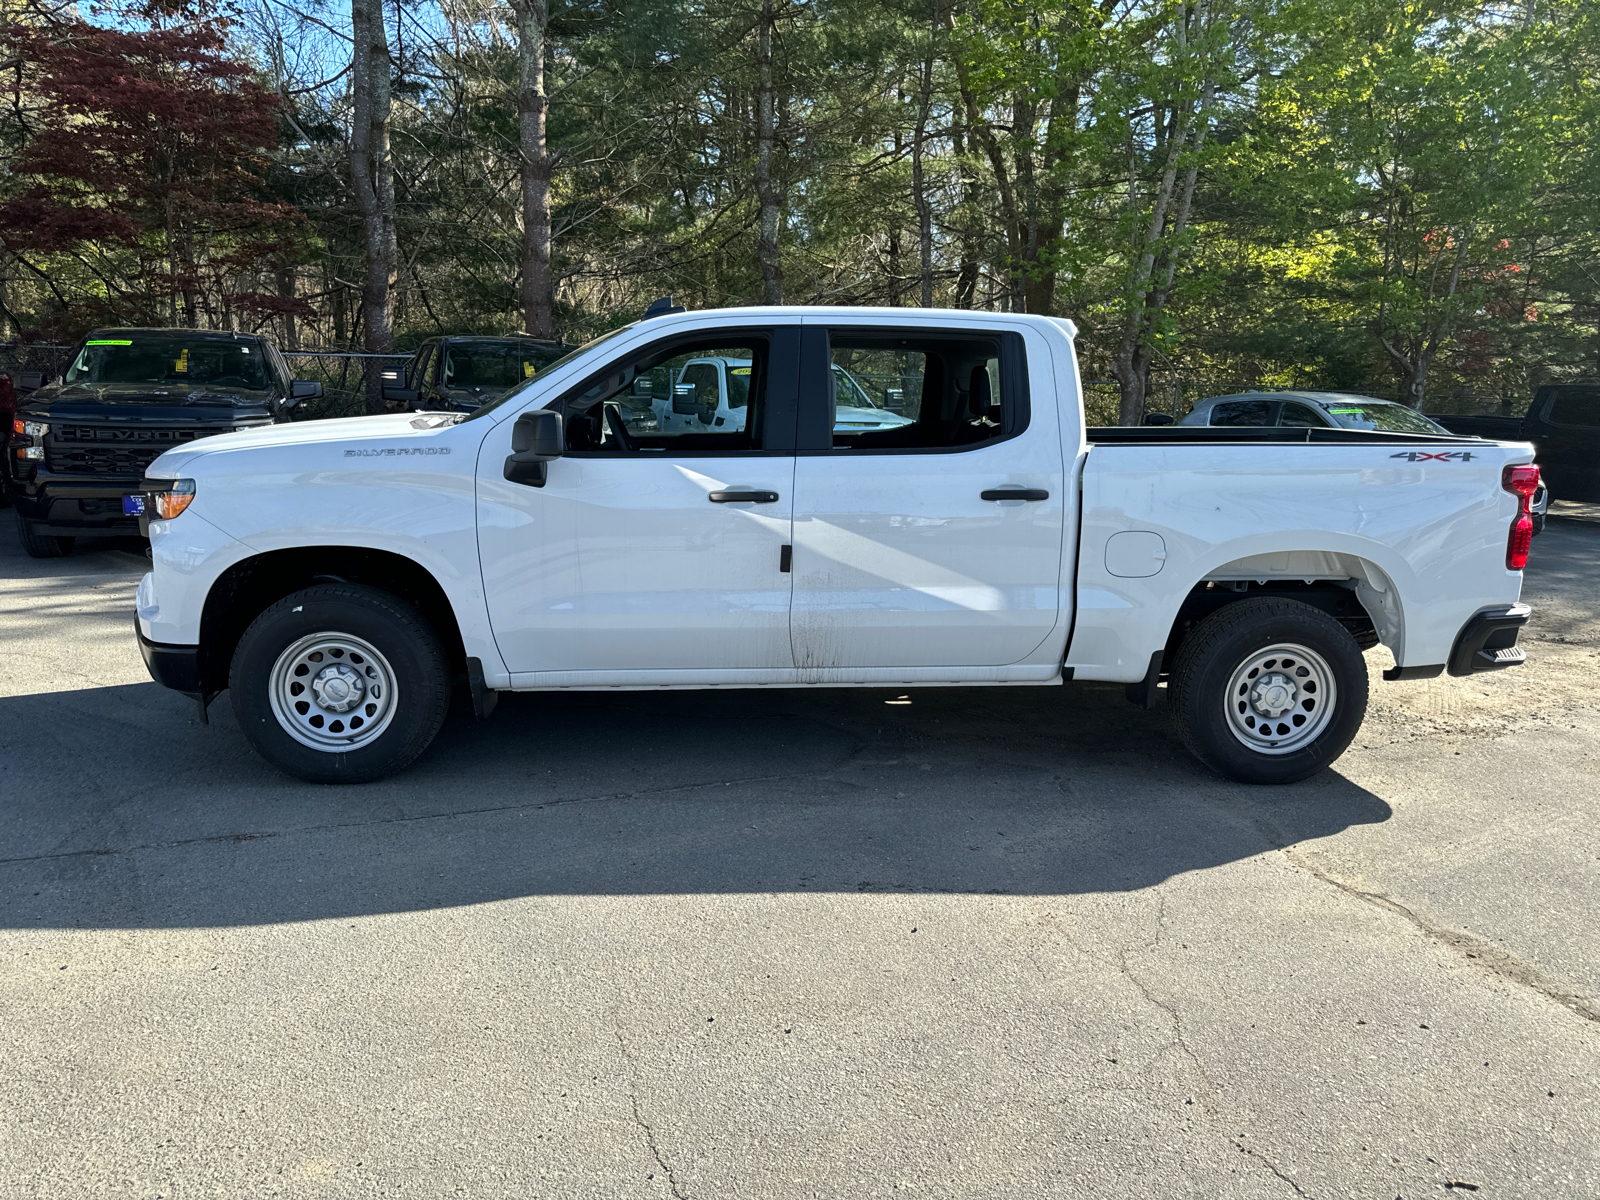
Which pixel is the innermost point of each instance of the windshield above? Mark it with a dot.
(1383, 415)
(485, 409)
(494, 364)
(171, 359)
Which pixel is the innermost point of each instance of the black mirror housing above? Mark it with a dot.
(29, 381)
(536, 439)
(305, 389)
(1157, 419)
(401, 395)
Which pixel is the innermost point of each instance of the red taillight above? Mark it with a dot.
(1521, 539)
(1521, 482)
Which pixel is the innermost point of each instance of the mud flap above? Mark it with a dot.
(1144, 692)
(484, 698)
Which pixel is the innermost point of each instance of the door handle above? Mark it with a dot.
(743, 497)
(1015, 494)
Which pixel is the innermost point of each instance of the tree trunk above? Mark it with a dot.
(372, 174)
(1158, 246)
(766, 135)
(919, 191)
(538, 294)
(287, 289)
(967, 270)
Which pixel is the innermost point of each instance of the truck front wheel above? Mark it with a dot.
(41, 545)
(340, 684)
(1269, 690)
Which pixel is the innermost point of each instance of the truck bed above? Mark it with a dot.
(1183, 435)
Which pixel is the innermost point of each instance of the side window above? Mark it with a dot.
(921, 391)
(1299, 416)
(701, 394)
(1575, 406)
(1244, 412)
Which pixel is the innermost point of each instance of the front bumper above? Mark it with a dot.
(1488, 642)
(76, 505)
(176, 667)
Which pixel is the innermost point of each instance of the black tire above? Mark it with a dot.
(1217, 699)
(41, 545)
(409, 656)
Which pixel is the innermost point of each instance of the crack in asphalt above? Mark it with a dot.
(638, 1118)
(1480, 953)
(1271, 1166)
(1209, 1102)
(1171, 1010)
(1477, 952)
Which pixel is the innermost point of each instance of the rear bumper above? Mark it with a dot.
(176, 667)
(1488, 642)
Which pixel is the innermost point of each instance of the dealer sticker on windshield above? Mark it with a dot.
(109, 342)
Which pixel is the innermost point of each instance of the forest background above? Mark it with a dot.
(1400, 197)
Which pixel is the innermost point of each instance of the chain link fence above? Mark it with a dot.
(343, 375)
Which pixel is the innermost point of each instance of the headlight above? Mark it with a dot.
(33, 429)
(172, 498)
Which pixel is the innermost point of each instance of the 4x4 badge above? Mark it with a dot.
(1429, 456)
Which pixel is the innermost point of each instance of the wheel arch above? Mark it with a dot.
(1352, 588)
(251, 585)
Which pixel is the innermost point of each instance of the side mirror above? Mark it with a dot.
(1157, 419)
(536, 439)
(30, 381)
(401, 395)
(305, 389)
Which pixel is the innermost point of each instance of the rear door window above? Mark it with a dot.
(1245, 412)
(1299, 416)
(1575, 406)
(918, 389)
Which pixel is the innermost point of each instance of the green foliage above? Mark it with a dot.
(1387, 196)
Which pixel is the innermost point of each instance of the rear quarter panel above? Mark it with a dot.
(1436, 530)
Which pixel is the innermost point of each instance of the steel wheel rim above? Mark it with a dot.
(333, 692)
(1280, 698)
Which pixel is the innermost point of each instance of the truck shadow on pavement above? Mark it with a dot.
(122, 811)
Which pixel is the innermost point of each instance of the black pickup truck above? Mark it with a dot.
(79, 445)
(1563, 423)
(461, 373)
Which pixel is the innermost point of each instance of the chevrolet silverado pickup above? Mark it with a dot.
(79, 445)
(340, 578)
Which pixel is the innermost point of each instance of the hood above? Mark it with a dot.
(88, 400)
(388, 436)
(467, 399)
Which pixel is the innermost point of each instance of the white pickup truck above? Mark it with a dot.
(340, 577)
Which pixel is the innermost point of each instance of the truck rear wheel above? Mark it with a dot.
(340, 684)
(1269, 690)
(41, 545)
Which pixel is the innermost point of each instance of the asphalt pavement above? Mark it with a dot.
(834, 943)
